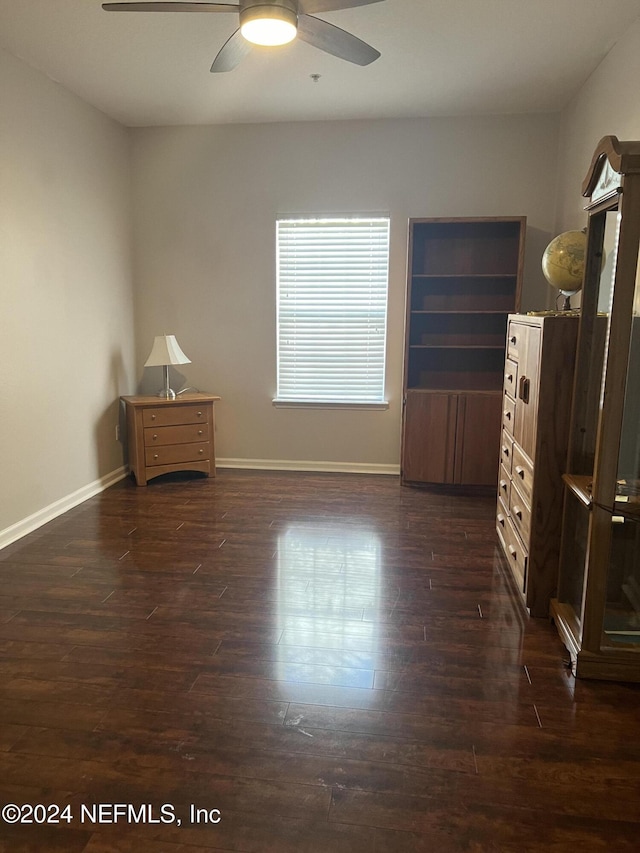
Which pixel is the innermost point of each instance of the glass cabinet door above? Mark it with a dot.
(622, 611)
(629, 458)
(587, 405)
(593, 336)
(575, 536)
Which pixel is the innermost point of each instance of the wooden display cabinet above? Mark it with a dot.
(597, 608)
(464, 278)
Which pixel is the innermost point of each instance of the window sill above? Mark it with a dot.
(328, 404)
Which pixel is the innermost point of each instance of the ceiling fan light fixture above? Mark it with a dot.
(268, 24)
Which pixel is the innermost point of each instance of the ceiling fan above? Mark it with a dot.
(273, 22)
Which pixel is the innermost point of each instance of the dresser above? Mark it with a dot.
(170, 435)
(538, 381)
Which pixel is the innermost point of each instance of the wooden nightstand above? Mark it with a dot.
(170, 435)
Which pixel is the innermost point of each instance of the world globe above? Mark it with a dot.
(563, 262)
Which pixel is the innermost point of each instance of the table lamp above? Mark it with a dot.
(166, 351)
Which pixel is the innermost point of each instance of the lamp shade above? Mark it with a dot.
(166, 350)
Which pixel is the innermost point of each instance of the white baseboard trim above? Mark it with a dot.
(48, 513)
(38, 519)
(297, 465)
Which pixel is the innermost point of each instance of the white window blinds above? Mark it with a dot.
(332, 279)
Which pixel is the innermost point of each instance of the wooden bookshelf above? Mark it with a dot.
(464, 279)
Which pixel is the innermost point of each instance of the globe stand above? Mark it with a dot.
(566, 303)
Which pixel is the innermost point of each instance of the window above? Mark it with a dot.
(332, 277)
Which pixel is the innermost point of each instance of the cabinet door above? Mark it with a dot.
(429, 436)
(524, 428)
(478, 439)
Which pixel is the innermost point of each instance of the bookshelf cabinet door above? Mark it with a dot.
(429, 437)
(478, 439)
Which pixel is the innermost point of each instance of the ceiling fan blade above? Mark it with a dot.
(170, 7)
(231, 53)
(333, 40)
(312, 7)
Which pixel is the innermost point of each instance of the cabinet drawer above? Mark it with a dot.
(183, 434)
(522, 473)
(506, 451)
(173, 415)
(501, 514)
(510, 377)
(504, 486)
(508, 413)
(520, 513)
(515, 552)
(172, 453)
(515, 339)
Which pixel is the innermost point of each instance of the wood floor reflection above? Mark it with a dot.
(333, 662)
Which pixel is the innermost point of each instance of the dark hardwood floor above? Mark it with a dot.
(333, 662)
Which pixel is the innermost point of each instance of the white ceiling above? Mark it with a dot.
(439, 57)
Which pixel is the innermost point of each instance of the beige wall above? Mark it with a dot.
(66, 326)
(206, 200)
(608, 103)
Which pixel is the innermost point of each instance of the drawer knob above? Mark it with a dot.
(199, 414)
(155, 455)
(155, 435)
(505, 450)
(201, 451)
(518, 512)
(507, 414)
(513, 552)
(520, 471)
(153, 417)
(199, 432)
(513, 339)
(509, 377)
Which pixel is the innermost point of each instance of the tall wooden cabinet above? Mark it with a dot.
(597, 608)
(538, 379)
(464, 278)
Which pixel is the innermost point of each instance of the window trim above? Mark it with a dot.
(318, 404)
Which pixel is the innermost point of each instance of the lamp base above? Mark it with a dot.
(166, 392)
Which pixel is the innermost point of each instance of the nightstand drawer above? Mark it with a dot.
(183, 434)
(173, 453)
(172, 415)
(522, 473)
